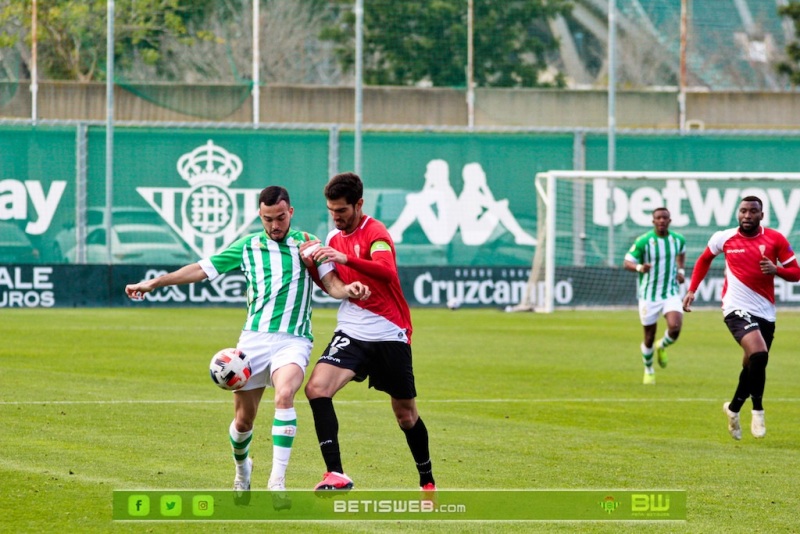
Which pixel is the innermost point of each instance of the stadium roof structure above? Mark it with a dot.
(731, 44)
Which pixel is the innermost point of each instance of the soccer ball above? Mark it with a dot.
(454, 303)
(230, 369)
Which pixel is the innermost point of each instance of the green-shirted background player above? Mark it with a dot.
(277, 333)
(658, 256)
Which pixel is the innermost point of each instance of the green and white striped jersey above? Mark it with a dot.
(662, 253)
(278, 283)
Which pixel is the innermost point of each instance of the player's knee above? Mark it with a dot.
(758, 360)
(406, 420)
(311, 391)
(315, 389)
(674, 334)
(284, 397)
(243, 424)
(406, 415)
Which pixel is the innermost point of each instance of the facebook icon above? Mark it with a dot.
(138, 505)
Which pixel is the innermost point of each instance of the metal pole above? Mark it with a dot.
(550, 247)
(612, 83)
(34, 63)
(81, 152)
(682, 81)
(109, 124)
(359, 83)
(470, 64)
(612, 121)
(256, 89)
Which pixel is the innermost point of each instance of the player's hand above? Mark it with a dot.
(329, 254)
(767, 267)
(306, 251)
(687, 301)
(681, 278)
(137, 291)
(357, 290)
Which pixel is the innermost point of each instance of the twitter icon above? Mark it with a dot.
(171, 505)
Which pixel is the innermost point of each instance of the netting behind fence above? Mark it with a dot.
(531, 43)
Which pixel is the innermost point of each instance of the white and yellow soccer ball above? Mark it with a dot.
(230, 369)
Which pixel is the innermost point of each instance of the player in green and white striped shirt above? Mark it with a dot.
(658, 256)
(277, 333)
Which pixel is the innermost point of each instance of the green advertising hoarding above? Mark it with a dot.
(460, 199)
(455, 203)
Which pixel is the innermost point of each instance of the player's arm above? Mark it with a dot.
(188, 274)
(680, 261)
(329, 280)
(306, 249)
(632, 259)
(789, 271)
(335, 287)
(380, 266)
(701, 267)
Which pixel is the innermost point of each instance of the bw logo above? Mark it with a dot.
(654, 502)
(209, 215)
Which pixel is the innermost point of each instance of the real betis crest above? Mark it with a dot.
(209, 215)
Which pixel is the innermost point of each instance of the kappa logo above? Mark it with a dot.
(209, 215)
(441, 213)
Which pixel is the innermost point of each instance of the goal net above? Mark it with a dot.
(589, 219)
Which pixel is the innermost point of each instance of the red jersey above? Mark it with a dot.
(385, 315)
(746, 287)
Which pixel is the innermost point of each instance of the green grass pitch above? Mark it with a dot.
(93, 400)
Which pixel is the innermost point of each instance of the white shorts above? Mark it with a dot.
(269, 351)
(650, 311)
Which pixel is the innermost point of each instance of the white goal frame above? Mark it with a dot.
(544, 260)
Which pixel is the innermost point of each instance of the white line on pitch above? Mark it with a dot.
(422, 401)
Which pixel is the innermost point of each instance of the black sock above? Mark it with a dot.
(758, 378)
(327, 427)
(742, 391)
(417, 438)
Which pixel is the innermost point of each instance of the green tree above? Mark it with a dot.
(71, 34)
(791, 68)
(412, 41)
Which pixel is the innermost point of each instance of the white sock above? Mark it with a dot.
(240, 443)
(647, 358)
(284, 428)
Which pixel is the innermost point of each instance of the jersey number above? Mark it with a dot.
(339, 343)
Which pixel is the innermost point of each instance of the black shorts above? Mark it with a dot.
(740, 323)
(386, 363)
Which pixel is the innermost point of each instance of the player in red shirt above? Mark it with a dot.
(372, 337)
(754, 255)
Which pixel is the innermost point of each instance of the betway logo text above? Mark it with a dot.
(715, 207)
(16, 195)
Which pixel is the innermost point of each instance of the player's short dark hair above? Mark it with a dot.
(753, 198)
(662, 208)
(345, 185)
(273, 195)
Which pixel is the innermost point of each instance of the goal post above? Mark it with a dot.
(589, 219)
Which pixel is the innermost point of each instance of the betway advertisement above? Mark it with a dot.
(461, 208)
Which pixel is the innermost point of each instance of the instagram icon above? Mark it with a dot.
(203, 505)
